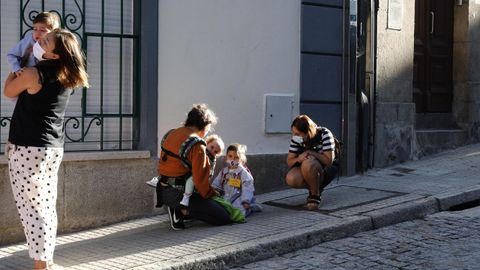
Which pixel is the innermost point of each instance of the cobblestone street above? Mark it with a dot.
(447, 240)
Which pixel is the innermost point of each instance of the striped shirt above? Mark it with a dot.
(323, 142)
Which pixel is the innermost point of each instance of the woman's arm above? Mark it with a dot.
(15, 85)
(201, 171)
(293, 158)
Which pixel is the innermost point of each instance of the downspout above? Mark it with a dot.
(373, 80)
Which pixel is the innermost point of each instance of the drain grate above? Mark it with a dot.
(336, 198)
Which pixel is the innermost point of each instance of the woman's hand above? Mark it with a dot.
(19, 72)
(325, 158)
(217, 192)
(303, 156)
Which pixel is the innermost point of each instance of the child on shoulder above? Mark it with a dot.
(25, 53)
(235, 182)
(215, 147)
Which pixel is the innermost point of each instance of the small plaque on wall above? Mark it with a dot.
(395, 14)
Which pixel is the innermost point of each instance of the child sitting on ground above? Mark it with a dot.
(234, 182)
(215, 147)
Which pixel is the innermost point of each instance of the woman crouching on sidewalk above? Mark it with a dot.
(311, 159)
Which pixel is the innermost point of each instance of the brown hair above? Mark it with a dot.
(241, 151)
(50, 19)
(72, 72)
(304, 124)
(200, 116)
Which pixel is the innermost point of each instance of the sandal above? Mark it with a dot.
(313, 201)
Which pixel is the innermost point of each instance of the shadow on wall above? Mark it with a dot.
(395, 140)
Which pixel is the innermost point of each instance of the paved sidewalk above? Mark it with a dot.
(351, 205)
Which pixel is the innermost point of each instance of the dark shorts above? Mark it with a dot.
(329, 173)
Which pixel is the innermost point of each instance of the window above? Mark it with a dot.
(104, 116)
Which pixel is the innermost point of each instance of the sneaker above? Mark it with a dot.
(153, 182)
(176, 220)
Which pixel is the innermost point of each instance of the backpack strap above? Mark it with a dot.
(184, 150)
(165, 150)
(186, 147)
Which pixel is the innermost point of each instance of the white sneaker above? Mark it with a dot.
(153, 183)
(185, 200)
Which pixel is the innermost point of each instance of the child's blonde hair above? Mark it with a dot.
(215, 137)
(241, 151)
(50, 19)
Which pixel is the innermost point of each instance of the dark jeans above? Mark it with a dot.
(202, 209)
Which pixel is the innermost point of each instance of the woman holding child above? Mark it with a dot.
(184, 154)
(37, 136)
(311, 159)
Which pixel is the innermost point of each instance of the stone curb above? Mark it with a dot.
(456, 197)
(269, 246)
(403, 212)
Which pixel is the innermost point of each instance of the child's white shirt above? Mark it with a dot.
(232, 193)
(22, 48)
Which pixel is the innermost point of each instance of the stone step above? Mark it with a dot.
(435, 121)
(431, 141)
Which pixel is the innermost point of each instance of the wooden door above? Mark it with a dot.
(432, 75)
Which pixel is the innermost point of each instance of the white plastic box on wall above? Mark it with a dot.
(278, 113)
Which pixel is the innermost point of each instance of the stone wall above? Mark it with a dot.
(466, 67)
(395, 111)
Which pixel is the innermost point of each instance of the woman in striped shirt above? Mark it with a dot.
(311, 159)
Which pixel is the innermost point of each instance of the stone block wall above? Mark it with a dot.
(466, 68)
(395, 110)
(395, 133)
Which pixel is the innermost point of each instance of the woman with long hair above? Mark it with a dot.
(36, 137)
(311, 159)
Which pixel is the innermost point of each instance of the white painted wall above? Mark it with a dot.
(228, 54)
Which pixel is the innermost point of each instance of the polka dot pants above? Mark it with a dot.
(33, 176)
